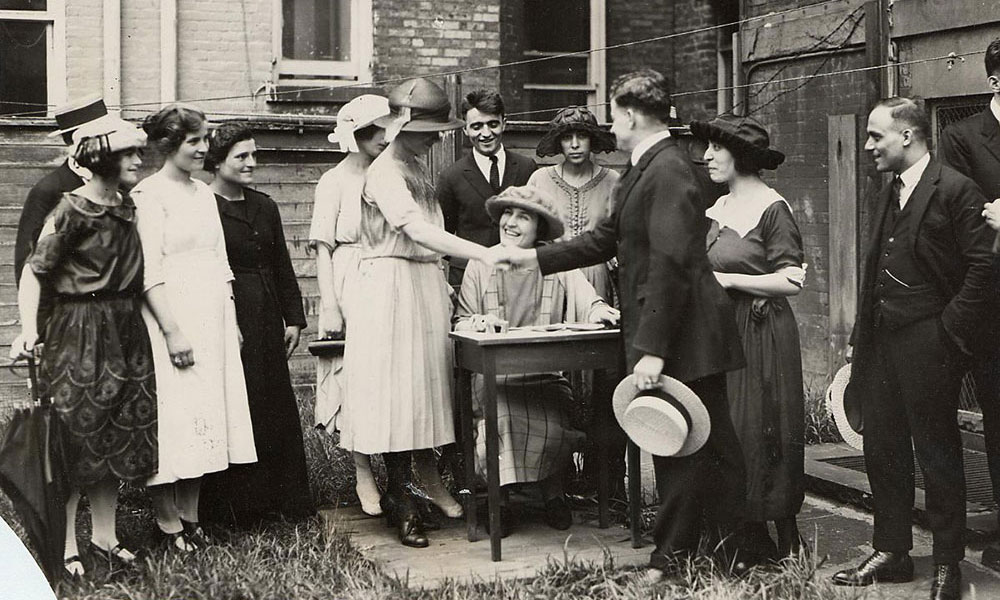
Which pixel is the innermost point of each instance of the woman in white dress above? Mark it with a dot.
(204, 416)
(335, 234)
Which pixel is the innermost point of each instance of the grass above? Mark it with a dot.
(307, 561)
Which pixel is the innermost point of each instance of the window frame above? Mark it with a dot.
(54, 16)
(356, 70)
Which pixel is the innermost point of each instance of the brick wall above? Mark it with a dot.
(140, 53)
(430, 36)
(85, 48)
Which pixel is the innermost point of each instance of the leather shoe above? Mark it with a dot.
(991, 557)
(404, 515)
(947, 584)
(881, 567)
(557, 514)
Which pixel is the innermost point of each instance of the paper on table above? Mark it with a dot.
(561, 327)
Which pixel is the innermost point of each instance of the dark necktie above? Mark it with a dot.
(495, 173)
(897, 184)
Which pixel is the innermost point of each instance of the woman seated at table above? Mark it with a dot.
(535, 436)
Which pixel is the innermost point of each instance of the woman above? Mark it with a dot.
(580, 188)
(270, 316)
(97, 363)
(399, 361)
(583, 192)
(536, 437)
(756, 250)
(335, 235)
(204, 423)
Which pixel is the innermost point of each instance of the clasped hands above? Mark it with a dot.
(505, 258)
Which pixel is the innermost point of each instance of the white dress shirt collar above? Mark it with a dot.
(995, 107)
(910, 177)
(646, 144)
(483, 162)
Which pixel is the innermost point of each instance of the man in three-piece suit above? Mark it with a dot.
(924, 294)
(464, 187)
(676, 319)
(972, 147)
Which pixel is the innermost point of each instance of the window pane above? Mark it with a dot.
(316, 29)
(23, 52)
(570, 18)
(23, 4)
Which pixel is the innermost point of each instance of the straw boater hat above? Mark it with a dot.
(575, 119)
(120, 134)
(846, 416)
(417, 105)
(668, 421)
(740, 135)
(73, 115)
(531, 199)
(357, 114)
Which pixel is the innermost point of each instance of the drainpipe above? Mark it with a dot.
(112, 19)
(168, 51)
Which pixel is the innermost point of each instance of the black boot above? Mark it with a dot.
(789, 540)
(947, 584)
(399, 505)
(880, 567)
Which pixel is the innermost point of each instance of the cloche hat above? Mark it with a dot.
(533, 200)
(579, 119)
(670, 420)
(740, 135)
(120, 134)
(357, 114)
(417, 105)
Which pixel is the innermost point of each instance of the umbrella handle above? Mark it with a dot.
(33, 375)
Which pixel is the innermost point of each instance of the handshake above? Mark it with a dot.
(505, 258)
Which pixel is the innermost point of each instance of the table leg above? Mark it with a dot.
(463, 395)
(603, 518)
(634, 494)
(492, 455)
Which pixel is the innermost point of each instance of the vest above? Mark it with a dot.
(902, 293)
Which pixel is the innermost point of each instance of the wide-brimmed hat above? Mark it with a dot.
(72, 115)
(740, 135)
(418, 105)
(667, 421)
(846, 417)
(121, 134)
(575, 119)
(357, 114)
(533, 200)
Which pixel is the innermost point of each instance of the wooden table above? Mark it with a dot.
(523, 351)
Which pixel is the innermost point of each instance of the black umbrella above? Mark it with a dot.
(33, 475)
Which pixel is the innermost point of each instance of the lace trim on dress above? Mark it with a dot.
(577, 211)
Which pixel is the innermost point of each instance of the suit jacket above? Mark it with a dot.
(952, 247)
(42, 198)
(972, 147)
(462, 192)
(258, 256)
(672, 306)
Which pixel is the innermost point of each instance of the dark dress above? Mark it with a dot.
(267, 299)
(765, 397)
(97, 364)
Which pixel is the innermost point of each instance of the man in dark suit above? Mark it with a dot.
(464, 187)
(676, 319)
(972, 147)
(924, 294)
(45, 194)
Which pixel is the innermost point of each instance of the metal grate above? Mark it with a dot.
(978, 488)
(955, 110)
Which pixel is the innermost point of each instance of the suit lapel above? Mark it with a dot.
(884, 198)
(991, 133)
(921, 195)
(510, 173)
(475, 177)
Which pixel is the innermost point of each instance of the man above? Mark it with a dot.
(45, 194)
(972, 147)
(676, 319)
(464, 187)
(924, 294)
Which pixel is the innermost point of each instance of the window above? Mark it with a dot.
(31, 55)
(577, 79)
(323, 39)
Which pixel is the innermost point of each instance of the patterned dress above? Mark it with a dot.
(399, 360)
(97, 363)
(533, 411)
(766, 398)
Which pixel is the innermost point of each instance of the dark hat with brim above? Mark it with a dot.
(532, 200)
(418, 105)
(80, 112)
(740, 135)
(670, 420)
(575, 119)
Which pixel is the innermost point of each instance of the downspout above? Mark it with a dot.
(168, 51)
(112, 19)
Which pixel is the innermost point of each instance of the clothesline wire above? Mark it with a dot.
(501, 66)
